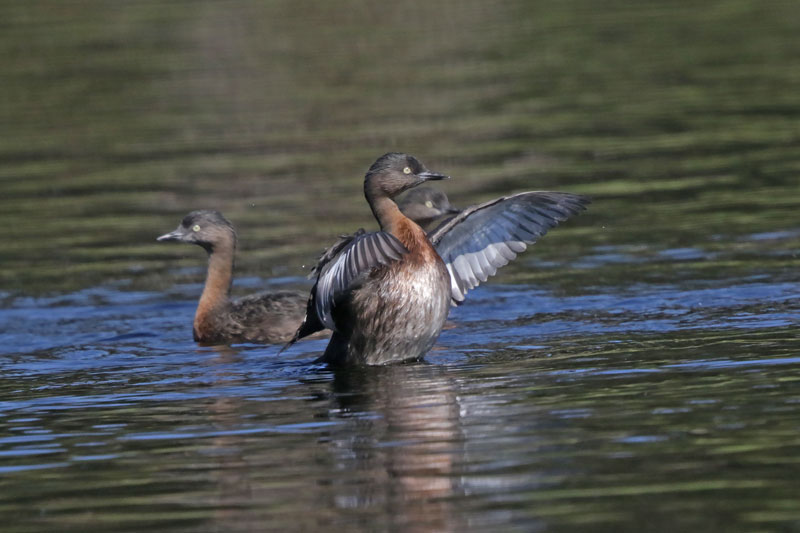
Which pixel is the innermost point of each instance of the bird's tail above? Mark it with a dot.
(310, 325)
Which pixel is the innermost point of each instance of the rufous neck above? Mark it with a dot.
(386, 212)
(218, 279)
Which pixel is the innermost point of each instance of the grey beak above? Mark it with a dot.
(176, 235)
(429, 175)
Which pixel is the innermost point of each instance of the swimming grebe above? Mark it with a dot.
(264, 318)
(386, 294)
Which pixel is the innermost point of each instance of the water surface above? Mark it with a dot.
(637, 370)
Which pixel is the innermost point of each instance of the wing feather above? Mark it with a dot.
(349, 267)
(486, 237)
(340, 268)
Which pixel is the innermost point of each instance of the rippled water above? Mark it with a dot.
(637, 370)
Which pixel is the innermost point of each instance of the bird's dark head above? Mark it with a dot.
(425, 204)
(205, 228)
(394, 173)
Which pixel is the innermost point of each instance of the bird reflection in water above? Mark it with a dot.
(402, 445)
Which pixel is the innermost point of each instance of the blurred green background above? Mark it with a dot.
(116, 118)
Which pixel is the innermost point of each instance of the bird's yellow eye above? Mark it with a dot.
(406, 170)
(429, 204)
(196, 227)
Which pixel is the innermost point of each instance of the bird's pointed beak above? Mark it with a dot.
(429, 175)
(452, 210)
(176, 235)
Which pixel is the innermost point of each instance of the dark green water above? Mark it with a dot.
(638, 370)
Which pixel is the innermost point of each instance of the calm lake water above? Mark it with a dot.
(637, 370)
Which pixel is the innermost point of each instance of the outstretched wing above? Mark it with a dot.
(340, 268)
(347, 268)
(332, 251)
(485, 237)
